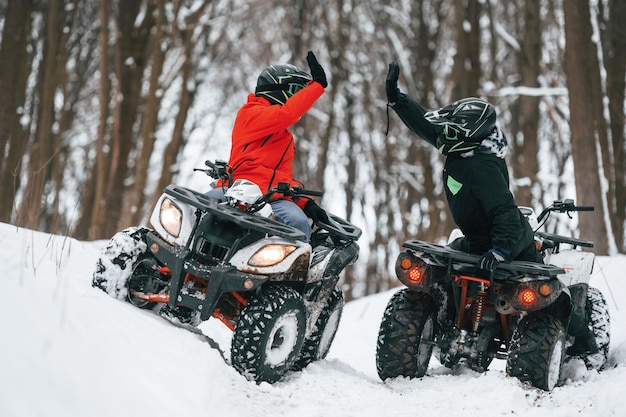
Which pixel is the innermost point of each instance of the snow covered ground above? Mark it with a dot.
(67, 349)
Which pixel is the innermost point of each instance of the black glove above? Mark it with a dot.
(315, 212)
(391, 83)
(317, 72)
(492, 258)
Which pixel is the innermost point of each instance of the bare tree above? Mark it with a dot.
(467, 69)
(157, 47)
(43, 149)
(525, 148)
(613, 33)
(587, 123)
(15, 63)
(189, 36)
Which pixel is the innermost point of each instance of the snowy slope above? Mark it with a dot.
(67, 349)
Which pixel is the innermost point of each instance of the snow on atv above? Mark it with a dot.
(228, 260)
(536, 316)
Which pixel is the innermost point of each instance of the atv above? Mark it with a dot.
(535, 316)
(205, 258)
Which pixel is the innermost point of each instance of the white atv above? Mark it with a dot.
(535, 316)
(231, 261)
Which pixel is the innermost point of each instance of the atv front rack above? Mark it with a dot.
(471, 260)
(239, 217)
(340, 228)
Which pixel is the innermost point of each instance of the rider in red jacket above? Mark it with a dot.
(262, 146)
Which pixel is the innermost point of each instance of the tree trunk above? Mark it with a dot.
(42, 151)
(614, 47)
(466, 72)
(131, 52)
(175, 146)
(586, 121)
(97, 203)
(525, 165)
(134, 201)
(14, 69)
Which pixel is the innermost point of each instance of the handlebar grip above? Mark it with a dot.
(585, 208)
(312, 193)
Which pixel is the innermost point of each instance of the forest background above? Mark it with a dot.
(105, 102)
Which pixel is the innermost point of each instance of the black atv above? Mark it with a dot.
(203, 258)
(535, 316)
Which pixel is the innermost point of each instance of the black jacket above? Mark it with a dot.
(477, 189)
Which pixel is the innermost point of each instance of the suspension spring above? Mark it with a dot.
(479, 306)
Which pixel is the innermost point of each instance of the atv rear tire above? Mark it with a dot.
(406, 335)
(269, 334)
(600, 326)
(117, 262)
(317, 345)
(537, 351)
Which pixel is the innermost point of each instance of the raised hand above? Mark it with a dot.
(391, 83)
(317, 72)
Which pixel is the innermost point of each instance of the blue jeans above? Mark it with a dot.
(285, 211)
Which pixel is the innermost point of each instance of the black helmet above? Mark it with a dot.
(279, 82)
(465, 122)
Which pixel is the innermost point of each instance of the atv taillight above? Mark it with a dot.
(527, 297)
(527, 294)
(411, 270)
(415, 275)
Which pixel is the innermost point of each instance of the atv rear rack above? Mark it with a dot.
(471, 260)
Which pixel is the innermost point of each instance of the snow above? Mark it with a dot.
(68, 349)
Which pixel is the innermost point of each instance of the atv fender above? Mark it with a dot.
(578, 266)
(561, 308)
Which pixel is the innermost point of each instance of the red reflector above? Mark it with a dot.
(415, 275)
(527, 297)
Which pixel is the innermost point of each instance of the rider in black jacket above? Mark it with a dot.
(475, 174)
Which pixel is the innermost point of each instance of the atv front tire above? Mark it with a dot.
(317, 345)
(269, 334)
(118, 261)
(406, 335)
(537, 351)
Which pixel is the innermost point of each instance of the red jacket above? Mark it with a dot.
(262, 148)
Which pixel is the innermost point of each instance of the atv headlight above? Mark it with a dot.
(270, 255)
(170, 217)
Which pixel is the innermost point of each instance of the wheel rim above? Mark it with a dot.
(282, 339)
(329, 331)
(142, 280)
(554, 368)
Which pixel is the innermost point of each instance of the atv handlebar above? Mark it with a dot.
(285, 189)
(221, 170)
(566, 206)
(217, 170)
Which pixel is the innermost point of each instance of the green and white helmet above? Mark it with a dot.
(279, 82)
(465, 123)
